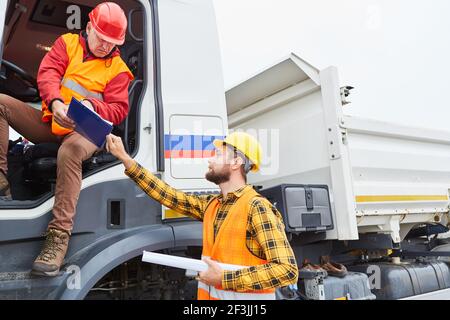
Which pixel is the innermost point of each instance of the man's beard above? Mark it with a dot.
(218, 177)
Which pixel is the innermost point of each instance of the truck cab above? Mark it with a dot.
(177, 108)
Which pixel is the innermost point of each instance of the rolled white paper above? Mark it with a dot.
(183, 263)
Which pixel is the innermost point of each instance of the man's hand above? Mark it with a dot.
(212, 276)
(115, 146)
(60, 115)
(88, 104)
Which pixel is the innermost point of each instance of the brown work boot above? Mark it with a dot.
(5, 191)
(52, 255)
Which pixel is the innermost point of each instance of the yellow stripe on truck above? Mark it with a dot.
(394, 198)
(172, 214)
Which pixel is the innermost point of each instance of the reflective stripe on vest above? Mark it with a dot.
(217, 294)
(82, 91)
(229, 246)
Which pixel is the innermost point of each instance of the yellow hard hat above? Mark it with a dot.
(246, 144)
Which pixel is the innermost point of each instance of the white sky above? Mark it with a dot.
(396, 53)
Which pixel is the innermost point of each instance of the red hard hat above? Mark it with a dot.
(109, 21)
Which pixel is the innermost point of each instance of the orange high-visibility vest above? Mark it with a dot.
(230, 247)
(83, 79)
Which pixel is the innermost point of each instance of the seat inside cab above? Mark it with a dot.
(31, 27)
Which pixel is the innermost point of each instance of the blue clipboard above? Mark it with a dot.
(88, 123)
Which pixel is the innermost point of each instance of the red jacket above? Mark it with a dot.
(114, 106)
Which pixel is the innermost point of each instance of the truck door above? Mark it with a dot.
(192, 91)
(3, 8)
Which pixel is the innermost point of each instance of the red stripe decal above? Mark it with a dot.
(188, 154)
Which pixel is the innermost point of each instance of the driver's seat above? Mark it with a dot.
(40, 162)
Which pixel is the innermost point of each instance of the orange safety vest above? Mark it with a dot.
(83, 79)
(230, 247)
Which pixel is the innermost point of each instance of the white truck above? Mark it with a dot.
(371, 195)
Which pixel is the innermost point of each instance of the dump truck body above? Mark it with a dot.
(383, 177)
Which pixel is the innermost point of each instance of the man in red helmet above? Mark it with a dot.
(85, 66)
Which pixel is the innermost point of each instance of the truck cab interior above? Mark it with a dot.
(31, 27)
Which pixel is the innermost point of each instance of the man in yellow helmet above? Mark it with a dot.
(239, 226)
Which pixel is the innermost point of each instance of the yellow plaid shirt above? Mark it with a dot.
(266, 238)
